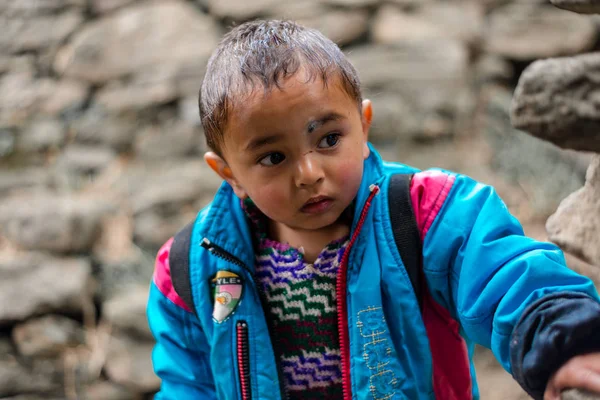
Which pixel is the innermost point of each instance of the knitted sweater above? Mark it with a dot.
(301, 304)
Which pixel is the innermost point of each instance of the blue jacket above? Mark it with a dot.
(497, 288)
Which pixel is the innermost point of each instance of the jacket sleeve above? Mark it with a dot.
(509, 292)
(181, 354)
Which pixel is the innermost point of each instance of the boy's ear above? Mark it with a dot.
(366, 117)
(219, 165)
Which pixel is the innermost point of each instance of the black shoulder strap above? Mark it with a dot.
(406, 231)
(179, 262)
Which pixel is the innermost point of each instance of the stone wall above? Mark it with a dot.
(558, 100)
(100, 149)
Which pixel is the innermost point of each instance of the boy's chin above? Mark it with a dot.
(315, 223)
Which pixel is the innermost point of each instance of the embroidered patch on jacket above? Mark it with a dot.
(227, 291)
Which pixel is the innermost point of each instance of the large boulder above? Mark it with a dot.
(129, 363)
(53, 222)
(47, 336)
(20, 34)
(425, 79)
(15, 378)
(545, 173)
(559, 100)
(579, 6)
(526, 31)
(23, 92)
(127, 311)
(459, 21)
(33, 284)
(576, 224)
(170, 35)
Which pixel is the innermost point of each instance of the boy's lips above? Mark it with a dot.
(316, 205)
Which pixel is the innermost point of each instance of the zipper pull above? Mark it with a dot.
(207, 245)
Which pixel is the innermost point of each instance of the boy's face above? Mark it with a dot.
(297, 152)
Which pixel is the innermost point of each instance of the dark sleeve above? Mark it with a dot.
(551, 331)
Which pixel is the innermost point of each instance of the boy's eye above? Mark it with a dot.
(329, 141)
(272, 159)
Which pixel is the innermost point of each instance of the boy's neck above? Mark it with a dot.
(312, 241)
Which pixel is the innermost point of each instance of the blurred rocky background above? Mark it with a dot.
(100, 151)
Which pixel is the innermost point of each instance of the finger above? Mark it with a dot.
(575, 375)
(551, 393)
(590, 361)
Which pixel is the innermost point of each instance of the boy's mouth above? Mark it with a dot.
(316, 205)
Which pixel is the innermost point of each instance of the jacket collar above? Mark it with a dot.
(225, 223)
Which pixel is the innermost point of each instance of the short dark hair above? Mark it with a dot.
(265, 53)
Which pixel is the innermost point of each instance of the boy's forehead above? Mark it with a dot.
(288, 94)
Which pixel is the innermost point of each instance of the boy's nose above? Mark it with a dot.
(309, 171)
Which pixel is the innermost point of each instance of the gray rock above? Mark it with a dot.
(492, 68)
(33, 283)
(525, 31)
(559, 100)
(172, 139)
(153, 229)
(106, 390)
(7, 141)
(172, 34)
(121, 264)
(152, 87)
(576, 224)
(578, 394)
(354, 3)
(12, 180)
(118, 273)
(579, 6)
(27, 34)
(168, 190)
(42, 134)
(241, 10)
(49, 221)
(22, 94)
(127, 311)
(524, 161)
(106, 6)
(167, 201)
(410, 3)
(341, 26)
(428, 76)
(80, 159)
(16, 378)
(459, 21)
(67, 95)
(129, 363)
(393, 118)
(47, 336)
(188, 111)
(99, 127)
(31, 8)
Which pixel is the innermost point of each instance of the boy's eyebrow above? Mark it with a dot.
(313, 125)
(259, 142)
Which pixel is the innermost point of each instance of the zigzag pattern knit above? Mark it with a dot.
(301, 301)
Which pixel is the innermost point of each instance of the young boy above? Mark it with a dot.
(298, 288)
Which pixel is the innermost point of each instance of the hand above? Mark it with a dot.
(581, 372)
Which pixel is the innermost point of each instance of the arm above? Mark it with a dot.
(509, 292)
(181, 353)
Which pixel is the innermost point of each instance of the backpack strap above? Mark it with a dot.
(406, 231)
(179, 262)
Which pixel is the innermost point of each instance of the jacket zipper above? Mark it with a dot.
(243, 359)
(342, 309)
(225, 255)
(342, 305)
